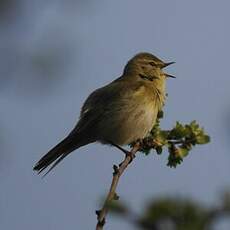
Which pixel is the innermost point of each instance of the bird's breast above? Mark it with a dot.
(130, 119)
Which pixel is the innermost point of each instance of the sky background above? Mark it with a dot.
(54, 53)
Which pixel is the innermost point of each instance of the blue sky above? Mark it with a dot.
(55, 53)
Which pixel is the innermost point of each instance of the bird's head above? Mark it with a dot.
(148, 67)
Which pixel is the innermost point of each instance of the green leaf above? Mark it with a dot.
(174, 161)
(179, 131)
(202, 139)
(194, 125)
(174, 158)
(159, 150)
(146, 151)
(160, 114)
(163, 136)
(183, 152)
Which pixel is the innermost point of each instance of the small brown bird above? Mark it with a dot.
(119, 113)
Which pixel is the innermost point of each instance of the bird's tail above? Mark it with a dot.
(58, 153)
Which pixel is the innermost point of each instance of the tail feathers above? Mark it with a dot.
(57, 154)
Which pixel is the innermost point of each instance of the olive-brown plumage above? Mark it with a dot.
(119, 113)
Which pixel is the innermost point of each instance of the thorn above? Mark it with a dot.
(102, 222)
(98, 212)
(115, 168)
(116, 197)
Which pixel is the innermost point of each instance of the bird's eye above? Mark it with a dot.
(152, 63)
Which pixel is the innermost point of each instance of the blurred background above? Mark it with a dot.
(54, 53)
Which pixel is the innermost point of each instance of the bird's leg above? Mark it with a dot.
(126, 152)
(132, 156)
(119, 147)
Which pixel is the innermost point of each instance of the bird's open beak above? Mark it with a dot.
(168, 75)
(167, 64)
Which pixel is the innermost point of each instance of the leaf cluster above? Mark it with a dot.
(179, 140)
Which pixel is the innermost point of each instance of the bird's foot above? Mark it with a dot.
(127, 153)
(131, 155)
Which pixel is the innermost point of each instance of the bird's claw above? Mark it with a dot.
(131, 155)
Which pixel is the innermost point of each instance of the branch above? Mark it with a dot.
(118, 171)
(179, 141)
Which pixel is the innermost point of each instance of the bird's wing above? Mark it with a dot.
(95, 105)
(100, 101)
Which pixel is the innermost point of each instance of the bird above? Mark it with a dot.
(118, 113)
